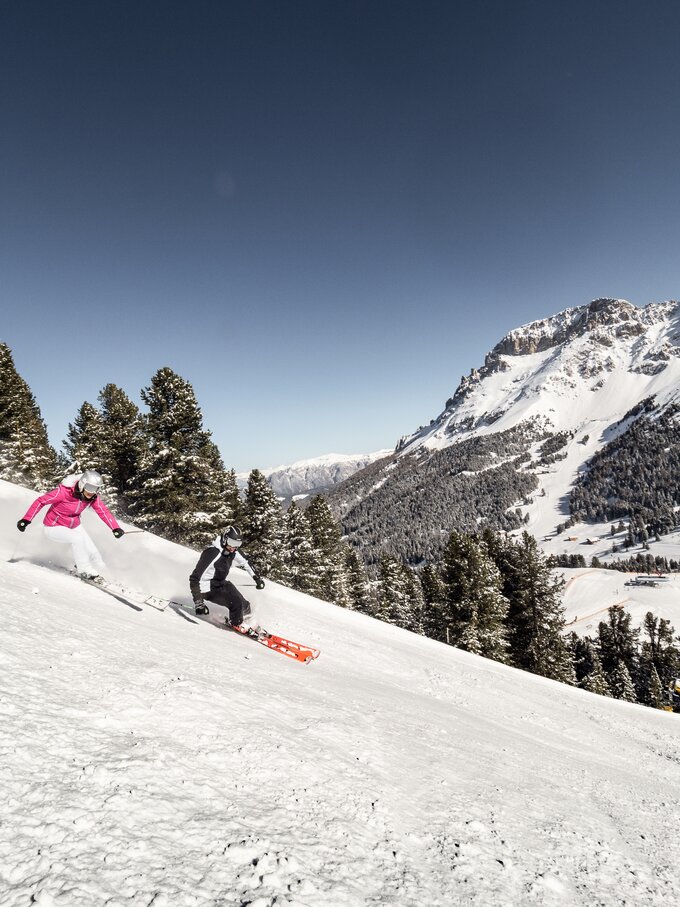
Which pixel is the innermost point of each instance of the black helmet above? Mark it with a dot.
(231, 538)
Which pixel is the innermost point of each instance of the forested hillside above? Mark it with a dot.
(635, 475)
(471, 484)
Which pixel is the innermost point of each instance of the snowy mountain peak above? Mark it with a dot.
(316, 474)
(548, 370)
(565, 326)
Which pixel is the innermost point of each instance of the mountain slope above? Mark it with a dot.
(153, 761)
(550, 395)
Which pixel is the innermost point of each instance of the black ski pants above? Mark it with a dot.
(231, 598)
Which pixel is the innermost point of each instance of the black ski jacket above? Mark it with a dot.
(214, 564)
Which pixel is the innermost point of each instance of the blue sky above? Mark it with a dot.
(323, 213)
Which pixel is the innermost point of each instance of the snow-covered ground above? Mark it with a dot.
(150, 760)
(588, 594)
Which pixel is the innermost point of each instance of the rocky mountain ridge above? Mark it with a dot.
(565, 354)
(549, 396)
(316, 474)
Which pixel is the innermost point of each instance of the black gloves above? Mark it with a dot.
(118, 532)
(22, 524)
(259, 582)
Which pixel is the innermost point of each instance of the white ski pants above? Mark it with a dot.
(87, 557)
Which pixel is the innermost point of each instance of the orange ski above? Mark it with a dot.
(286, 647)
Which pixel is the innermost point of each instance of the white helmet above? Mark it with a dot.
(90, 481)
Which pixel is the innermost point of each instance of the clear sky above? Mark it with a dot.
(323, 213)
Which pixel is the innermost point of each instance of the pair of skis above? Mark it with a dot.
(129, 596)
(134, 600)
(287, 647)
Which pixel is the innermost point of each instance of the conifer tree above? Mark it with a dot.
(476, 608)
(663, 651)
(621, 683)
(394, 594)
(648, 687)
(124, 442)
(232, 498)
(262, 526)
(179, 489)
(596, 681)
(434, 608)
(26, 456)
(583, 655)
(657, 699)
(587, 665)
(359, 591)
(85, 443)
(330, 553)
(617, 642)
(111, 440)
(536, 615)
(414, 588)
(299, 567)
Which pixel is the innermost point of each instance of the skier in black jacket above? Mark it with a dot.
(209, 582)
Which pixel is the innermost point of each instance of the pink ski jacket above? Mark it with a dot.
(66, 508)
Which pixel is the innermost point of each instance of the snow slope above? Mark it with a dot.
(588, 594)
(150, 760)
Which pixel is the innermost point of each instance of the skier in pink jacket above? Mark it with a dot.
(62, 520)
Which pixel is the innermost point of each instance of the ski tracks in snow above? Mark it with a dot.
(148, 762)
(141, 776)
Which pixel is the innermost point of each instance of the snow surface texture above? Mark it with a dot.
(150, 760)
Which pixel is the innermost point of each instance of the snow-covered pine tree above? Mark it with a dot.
(394, 593)
(86, 447)
(648, 688)
(434, 611)
(262, 526)
(299, 566)
(582, 655)
(596, 681)
(26, 456)
(415, 592)
(664, 652)
(587, 665)
(475, 606)
(359, 591)
(621, 683)
(124, 442)
(536, 615)
(330, 553)
(618, 642)
(232, 498)
(179, 489)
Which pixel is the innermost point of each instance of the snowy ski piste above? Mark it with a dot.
(147, 759)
